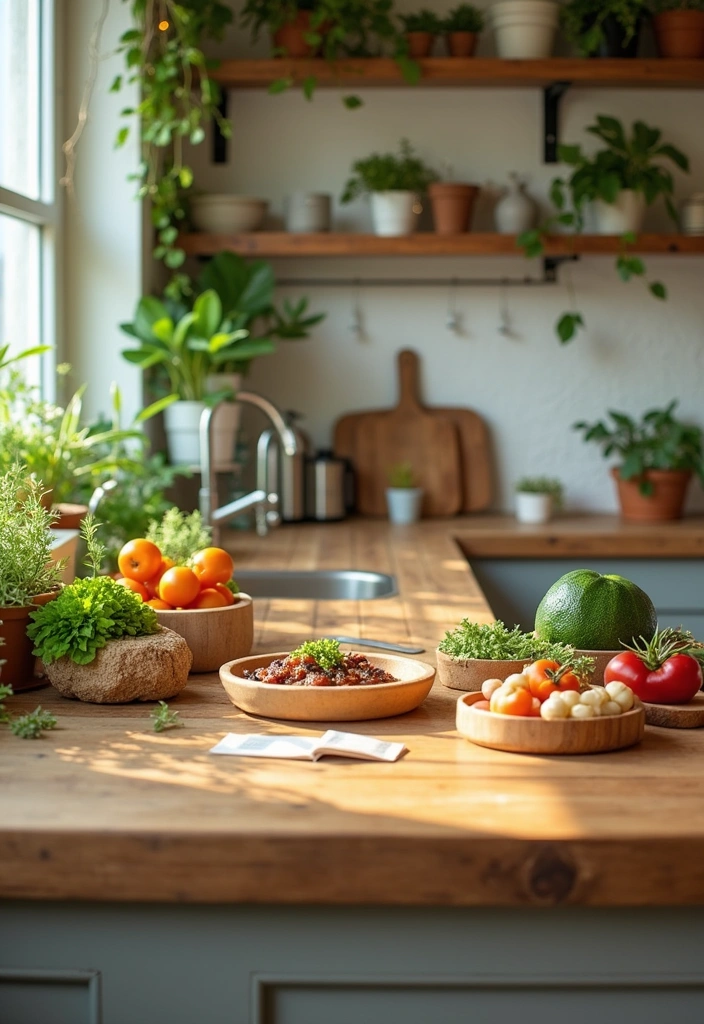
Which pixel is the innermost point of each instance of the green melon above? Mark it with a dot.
(594, 612)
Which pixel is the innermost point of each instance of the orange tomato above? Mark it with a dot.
(212, 565)
(135, 586)
(179, 586)
(512, 702)
(546, 676)
(139, 560)
(152, 584)
(159, 605)
(225, 592)
(209, 598)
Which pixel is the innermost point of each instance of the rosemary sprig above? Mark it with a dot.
(163, 718)
(32, 725)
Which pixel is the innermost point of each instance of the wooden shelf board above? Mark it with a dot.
(473, 71)
(283, 244)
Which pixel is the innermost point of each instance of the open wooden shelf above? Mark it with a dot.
(280, 243)
(473, 71)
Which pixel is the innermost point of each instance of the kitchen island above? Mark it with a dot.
(457, 881)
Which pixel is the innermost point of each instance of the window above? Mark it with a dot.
(28, 213)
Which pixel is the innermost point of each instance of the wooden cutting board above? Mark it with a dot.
(474, 448)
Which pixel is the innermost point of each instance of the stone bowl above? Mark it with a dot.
(470, 673)
(214, 635)
(329, 703)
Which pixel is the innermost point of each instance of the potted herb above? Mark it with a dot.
(420, 31)
(293, 25)
(462, 26)
(679, 27)
(603, 28)
(452, 203)
(537, 499)
(27, 570)
(403, 496)
(474, 652)
(658, 455)
(524, 29)
(395, 184)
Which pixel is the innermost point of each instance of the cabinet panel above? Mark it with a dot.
(49, 997)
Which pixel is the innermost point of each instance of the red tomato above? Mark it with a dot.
(139, 560)
(547, 676)
(212, 565)
(677, 680)
(179, 586)
(209, 598)
(135, 586)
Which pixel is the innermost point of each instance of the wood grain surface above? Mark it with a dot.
(105, 809)
(677, 716)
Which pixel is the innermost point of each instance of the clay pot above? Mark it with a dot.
(601, 660)
(665, 502)
(18, 670)
(679, 33)
(291, 37)
(419, 43)
(461, 44)
(469, 674)
(452, 206)
(70, 516)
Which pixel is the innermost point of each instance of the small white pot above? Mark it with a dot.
(626, 214)
(524, 29)
(393, 212)
(182, 425)
(227, 418)
(533, 508)
(403, 504)
(308, 212)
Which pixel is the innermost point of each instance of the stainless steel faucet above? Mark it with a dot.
(264, 501)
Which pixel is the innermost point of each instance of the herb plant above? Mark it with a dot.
(541, 485)
(583, 21)
(658, 441)
(33, 724)
(662, 6)
(164, 718)
(402, 476)
(5, 692)
(495, 642)
(27, 567)
(423, 21)
(388, 172)
(326, 653)
(180, 534)
(464, 18)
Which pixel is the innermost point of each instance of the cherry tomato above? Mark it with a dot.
(209, 598)
(677, 680)
(152, 584)
(212, 565)
(546, 677)
(135, 586)
(512, 702)
(225, 592)
(179, 586)
(139, 560)
(159, 605)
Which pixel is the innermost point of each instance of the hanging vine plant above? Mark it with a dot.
(163, 55)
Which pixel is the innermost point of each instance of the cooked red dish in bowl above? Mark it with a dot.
(303, 670)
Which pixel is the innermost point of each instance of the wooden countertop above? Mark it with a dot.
(104, 809)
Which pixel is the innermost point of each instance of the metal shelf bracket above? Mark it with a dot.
(551, 265)
(552, 94)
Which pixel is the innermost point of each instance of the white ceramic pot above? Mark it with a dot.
(524, 29)
(227, 418)
(308, 212)
(393, 212)
(533, 508)
(626, 214)
(693, 215)
(515, 211)
(223, 214)
(403, 504)
(182, 425)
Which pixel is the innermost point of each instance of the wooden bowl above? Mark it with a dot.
(520, 735)
(214, 635)
(329, 703)
(470, 673)
(602, 659)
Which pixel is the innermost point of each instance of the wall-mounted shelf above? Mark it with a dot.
(282, 244)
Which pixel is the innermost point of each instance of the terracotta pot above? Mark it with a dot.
(18, 670)
(70, 516)
(665, 502)
(461, 44)
(419, 43)
(291, 37)
(469, 674)
(452, 206)
(679, 33)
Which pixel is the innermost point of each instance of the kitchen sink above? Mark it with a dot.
(322, 585)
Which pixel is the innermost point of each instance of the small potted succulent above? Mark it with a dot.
(524, 29)
(403, 496)
(462, 27)
(679, 27)
(658, 455)
(603, 28)
(396, 184)
(537, 499)
(420, 31)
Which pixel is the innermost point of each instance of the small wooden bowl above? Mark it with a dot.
(520, 735)
(329, 703)
(214, 635)
(470, 673)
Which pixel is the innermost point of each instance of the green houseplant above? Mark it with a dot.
(603, 28)
(419, 31)
(537, 498)
(679, 27)
(395, 183)
(403, 495)
(461, 27)
(658, 455)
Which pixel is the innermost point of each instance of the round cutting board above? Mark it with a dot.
(677, 716)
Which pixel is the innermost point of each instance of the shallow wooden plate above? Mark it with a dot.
(677, 716)
(536, 736)
(329, 703)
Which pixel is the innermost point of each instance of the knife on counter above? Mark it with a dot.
(381, 644)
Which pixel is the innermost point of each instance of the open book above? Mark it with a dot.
(306, 748)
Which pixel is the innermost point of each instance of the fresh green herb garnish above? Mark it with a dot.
(180, 534)
(32, 725)
(327, 653)
(495, 642)
(164, 718)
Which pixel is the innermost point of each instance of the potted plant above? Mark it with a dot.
(28, 572)
(395, 184)
(603, 28)
(403, 496)
(679, 27)
(537, 499)
(291, 23)
(420, 31)
(524, 29)
(452, 204)
(658, 455)
(462, 26)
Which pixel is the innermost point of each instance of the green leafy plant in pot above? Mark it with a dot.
(679, 28)
(396, 184)
(537, 498)
(420, 31)
(618, 183)
(603, 28)
(462, 27)
(658, 453)
(403, 495)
